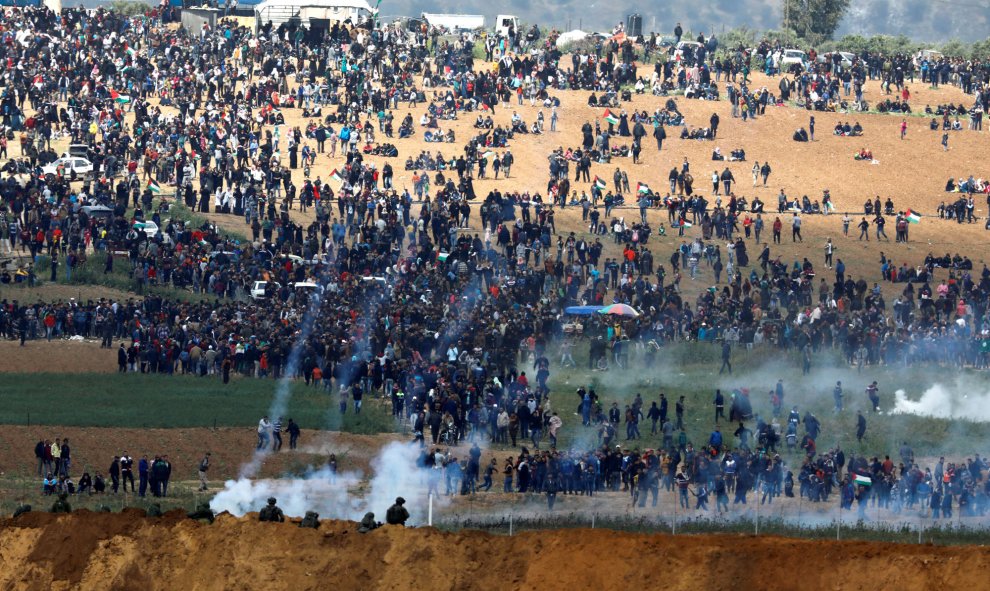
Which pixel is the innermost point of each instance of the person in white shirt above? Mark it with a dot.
(264, 432)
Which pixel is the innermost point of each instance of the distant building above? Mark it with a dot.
(54, 5)
(318, 14)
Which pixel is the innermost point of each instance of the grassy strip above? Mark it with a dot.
(157, 401)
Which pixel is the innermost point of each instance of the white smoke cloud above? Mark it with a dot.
(970, 403)
(340, 496)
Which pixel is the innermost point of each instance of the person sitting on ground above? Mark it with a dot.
(857, 129)
(800, 135)
(397, 513)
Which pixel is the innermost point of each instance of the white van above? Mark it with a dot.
(504, 21)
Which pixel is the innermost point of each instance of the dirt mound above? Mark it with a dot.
(128, 550)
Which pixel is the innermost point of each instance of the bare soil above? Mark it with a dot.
(129, 551)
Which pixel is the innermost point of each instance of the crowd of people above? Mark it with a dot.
(386, 293)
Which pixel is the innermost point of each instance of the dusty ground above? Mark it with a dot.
(57, 356)
(126, 551)
(94, 448)
(912, 172)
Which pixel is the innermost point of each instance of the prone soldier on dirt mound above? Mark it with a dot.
(155, 510)
(62, 504)
(271, 512)
(202, 512)
(368, 523)
(311, 520)
(21, 510)
(397, 513)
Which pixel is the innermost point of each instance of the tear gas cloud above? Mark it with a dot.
(340, 496)
(960, 401)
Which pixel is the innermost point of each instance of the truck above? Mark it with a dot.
(503, 22)
(455, 23)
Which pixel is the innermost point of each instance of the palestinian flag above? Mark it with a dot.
(153, 186)
(608, 116)
(863, 480)
(130, 51)
(119, 98)
(912, 217)
(442, 256)
(600, 184)
(336, 176)
(643, 188)
(685, 224)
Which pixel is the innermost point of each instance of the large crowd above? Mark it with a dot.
(387, 292)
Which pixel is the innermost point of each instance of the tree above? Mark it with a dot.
(129, 8)
(814, 20)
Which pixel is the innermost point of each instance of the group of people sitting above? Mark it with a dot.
(893, 106)
(969, 185)
(700, 133)
(736, 155)
(846, 130)
(863, 154)
(947, 125)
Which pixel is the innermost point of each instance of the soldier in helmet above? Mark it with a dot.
(62, 504)
(271, 512)
(397, 513)
(202, 512)
(368, 523)
(311, 520)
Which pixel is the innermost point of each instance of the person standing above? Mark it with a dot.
(903, 128)
(829, 250)
(293, 430)
(114, 472)
(719, 405)
(679, 412)
(945, 141)
(811, 128)
(277, 434)
(726, 357)
(143, 476)
(204, 466)
(127, 471)
(860, 426)
(796, 228)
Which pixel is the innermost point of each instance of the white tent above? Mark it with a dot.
(282, 11)
(570, 37)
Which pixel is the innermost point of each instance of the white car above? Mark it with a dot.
(690, 48)
(791, 57)
(258, 289)
(68, 165)
(845, 59)
(150, 228)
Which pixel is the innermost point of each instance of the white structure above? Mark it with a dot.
(311, 12)
(455, 22)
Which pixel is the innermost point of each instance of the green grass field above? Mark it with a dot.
(691, 370)
(153, 401)
(157, 401)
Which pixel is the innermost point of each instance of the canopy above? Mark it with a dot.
(570, 37)
(619, 310)
(582, 310)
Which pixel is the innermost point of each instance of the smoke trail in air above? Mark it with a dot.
(283, 389)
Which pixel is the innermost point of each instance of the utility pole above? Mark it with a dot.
(786, 20)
